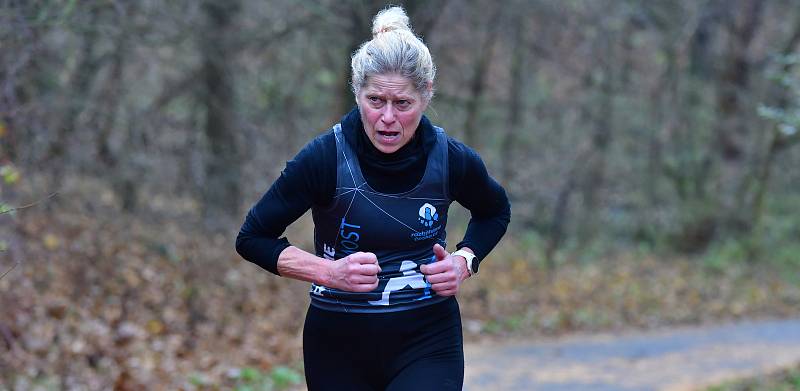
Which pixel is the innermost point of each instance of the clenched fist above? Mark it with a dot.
(446, 274)
(357, 272)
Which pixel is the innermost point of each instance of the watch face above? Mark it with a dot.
(470, 258)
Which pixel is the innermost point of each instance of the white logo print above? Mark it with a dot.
(318, 289)
(410, 278)
(427, 215)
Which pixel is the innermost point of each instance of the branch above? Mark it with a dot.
(9, 270)
(178, 87)
(2, 212)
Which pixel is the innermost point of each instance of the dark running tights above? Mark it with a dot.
(420, 349)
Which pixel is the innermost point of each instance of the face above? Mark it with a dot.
(391, 109)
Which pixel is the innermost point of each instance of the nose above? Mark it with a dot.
(388, 113)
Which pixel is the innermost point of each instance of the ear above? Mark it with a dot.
(428, 93)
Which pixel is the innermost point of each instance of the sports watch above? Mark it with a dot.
(472, 267)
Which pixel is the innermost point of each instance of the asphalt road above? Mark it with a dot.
(673, 359)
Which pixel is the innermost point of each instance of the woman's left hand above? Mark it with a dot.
(446, 274)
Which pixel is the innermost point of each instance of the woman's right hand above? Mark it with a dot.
(357, 272)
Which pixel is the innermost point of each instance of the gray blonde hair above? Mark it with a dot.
(393, 49)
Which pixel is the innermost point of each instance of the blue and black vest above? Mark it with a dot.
(400, 229)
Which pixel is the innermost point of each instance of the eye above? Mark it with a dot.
(403, 104)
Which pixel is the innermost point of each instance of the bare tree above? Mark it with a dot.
(223, 181)
(477, 83)
(516, 96)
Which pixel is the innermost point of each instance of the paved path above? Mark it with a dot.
(675, 359)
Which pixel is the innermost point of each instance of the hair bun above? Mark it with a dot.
(390, 19)
(397, 52)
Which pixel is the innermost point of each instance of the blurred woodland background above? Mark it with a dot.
(649, 148)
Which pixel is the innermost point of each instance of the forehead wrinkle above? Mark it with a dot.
(390, 83)
(390, 89)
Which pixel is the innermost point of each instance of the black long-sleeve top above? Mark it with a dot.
(310, 179)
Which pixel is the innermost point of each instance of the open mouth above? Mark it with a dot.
(388, 135)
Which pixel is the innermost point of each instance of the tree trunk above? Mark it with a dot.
(478, 81)
(736, 117)
(515, 100)
(105, 118)
(559, 221)
(424, 16)
(77, 91)
(122, 180)
(731, 128)
(603, 118)
(222, 186)
(595, 178)
(759, 181)
(358, 31)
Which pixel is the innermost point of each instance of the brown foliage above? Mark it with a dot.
(515, 295)
(110, 301)
(104, 300)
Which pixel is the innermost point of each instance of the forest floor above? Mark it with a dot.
(103, 300)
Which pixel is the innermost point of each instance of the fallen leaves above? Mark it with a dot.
(121, 303)
(618, 293)
(51, 242)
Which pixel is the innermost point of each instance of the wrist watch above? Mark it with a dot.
(472, 267)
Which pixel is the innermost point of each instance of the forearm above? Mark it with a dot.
(301, 265)
(483, 197)
(482, 236)
(306, 180)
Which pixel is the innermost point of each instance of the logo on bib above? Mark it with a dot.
(427, 215)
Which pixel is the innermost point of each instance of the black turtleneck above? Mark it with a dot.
(310, 179)
(390, 173)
